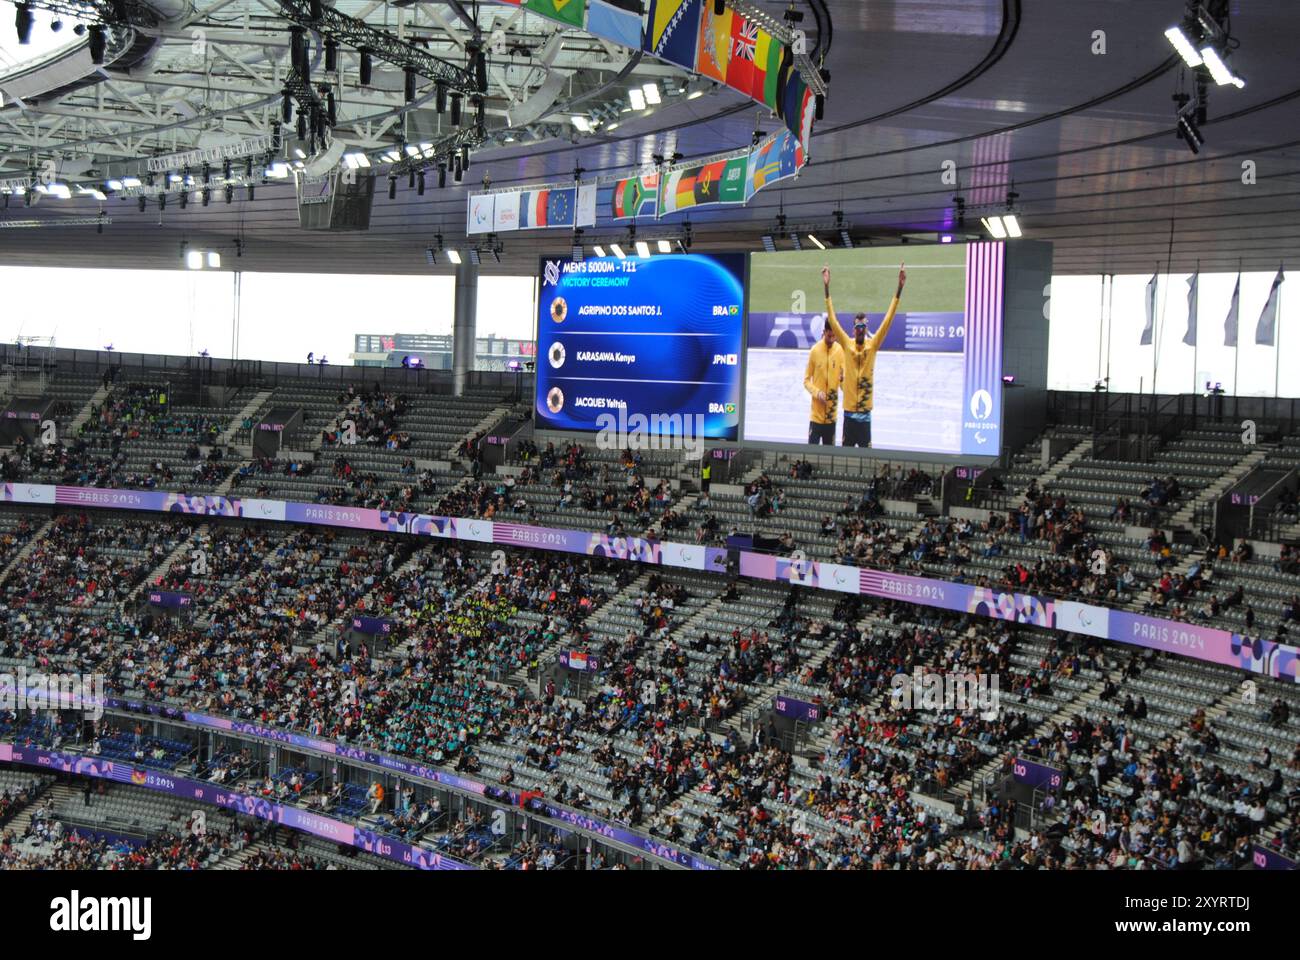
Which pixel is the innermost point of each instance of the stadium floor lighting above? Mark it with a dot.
(794, 239)
(130, 181)
(618, 251)
(665, 246)
(598, 250)
(475, 258)
(769, 243)
(194, 259)
(1219, 70)
(643, 250)
(636, 97)
(581, 123)
(816, 243)
(652, 96)
(995, 228)
(454, 256)
(1184, 46)
(214, 259)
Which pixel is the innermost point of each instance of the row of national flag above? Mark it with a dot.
(732, 49)
(727, 47)
(1265, 326)
(725, 180)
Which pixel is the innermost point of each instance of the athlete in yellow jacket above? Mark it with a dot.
(823, 379)
(860, 363)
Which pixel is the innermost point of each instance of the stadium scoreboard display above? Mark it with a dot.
(642, 345)
(722, 347)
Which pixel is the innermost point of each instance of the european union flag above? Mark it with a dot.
(559, 208)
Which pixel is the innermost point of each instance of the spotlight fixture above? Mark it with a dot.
(194, 259)
(769, 243)
(98, 43)
(454, 257)
(431, 256)
(1219, 70)
(475, 258)
(1002, 228)
(652, 95)
(23, 23)
(636, 97)
(214, 259)
(643, 250)
(665, 246)
(816, 243)
(1187, 129)
(794, 239)
(598, 250)
(1186, 49)
(618, 251)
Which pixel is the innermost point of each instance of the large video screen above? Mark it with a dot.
(929, 380)
(649, 345)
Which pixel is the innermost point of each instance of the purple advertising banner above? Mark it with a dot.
(1203, 643)
(578, 660)
(650, 845)
(1266, 859)
(372, 625)
(330, 829)
(1034, 774)
(170, 599)
(798, 709)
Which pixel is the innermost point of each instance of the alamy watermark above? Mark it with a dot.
(946, 692)
(658, 431)
(38, 691)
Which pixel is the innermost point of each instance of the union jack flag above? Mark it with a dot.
(746, 44)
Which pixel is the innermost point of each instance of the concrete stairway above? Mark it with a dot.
(1076, 453)
(62, 794)
(83, 416)
(180, 551)
(1183, 518)
(237, 421)
(493, 417)
(26, 551)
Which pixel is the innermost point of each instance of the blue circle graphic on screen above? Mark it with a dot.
(642, 345)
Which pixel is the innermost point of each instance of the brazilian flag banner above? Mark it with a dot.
(572, 12)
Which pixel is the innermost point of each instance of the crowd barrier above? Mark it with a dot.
(410, 769)
(336, 831)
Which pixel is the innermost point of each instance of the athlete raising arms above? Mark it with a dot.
(860, 363)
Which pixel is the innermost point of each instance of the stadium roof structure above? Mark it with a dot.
(1065, 112)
